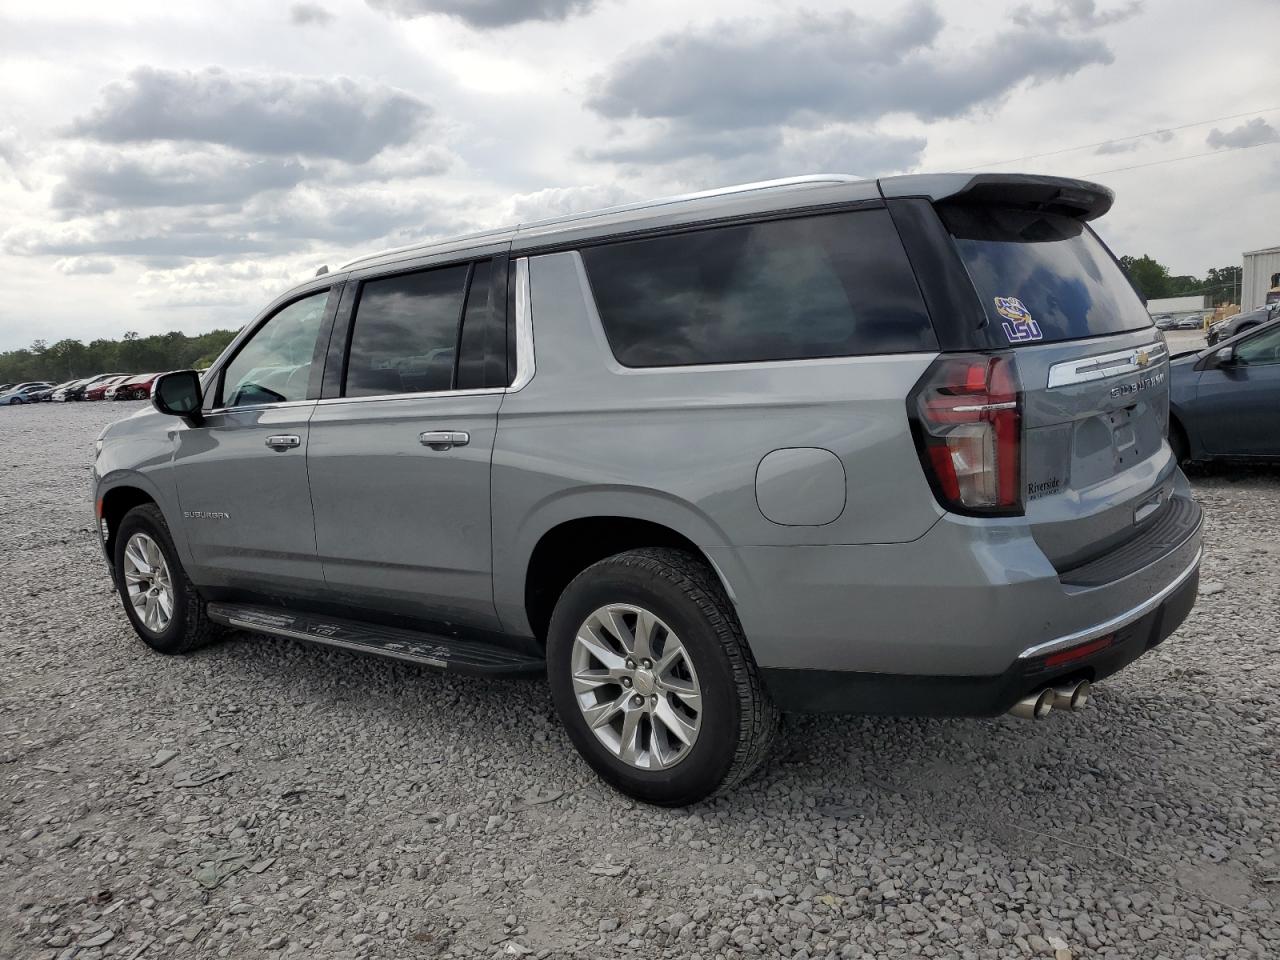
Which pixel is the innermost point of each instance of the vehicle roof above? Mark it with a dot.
(1059, 194)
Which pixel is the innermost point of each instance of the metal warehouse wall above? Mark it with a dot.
(1256, 281)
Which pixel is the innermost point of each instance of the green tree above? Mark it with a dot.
(1151, 276)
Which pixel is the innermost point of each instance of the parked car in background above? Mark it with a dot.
(1228, 328)
(98, 391)
(135, 388)
(6, 387)
(1224, 401)
(824, 445)
(1165, 323)
(78, 391)
(1189, 323)
(62, 393)
(44, 394)
(22, 393)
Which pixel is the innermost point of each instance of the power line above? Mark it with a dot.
(1135, 136)
(1190, 156)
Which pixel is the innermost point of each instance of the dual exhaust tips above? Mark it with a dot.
(1033, 706)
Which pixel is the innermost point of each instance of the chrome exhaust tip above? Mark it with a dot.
(1073, 696)
(1034, 705)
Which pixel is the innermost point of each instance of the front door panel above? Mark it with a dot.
(402, 525)
(246, 510)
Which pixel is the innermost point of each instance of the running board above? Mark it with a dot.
(443, 653)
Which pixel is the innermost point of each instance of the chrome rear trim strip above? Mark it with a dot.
(1115, 623)
(1105, 365)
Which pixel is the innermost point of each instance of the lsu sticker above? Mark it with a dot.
(1017, 323)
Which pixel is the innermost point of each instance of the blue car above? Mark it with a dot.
(22, 393)
(1224, 402)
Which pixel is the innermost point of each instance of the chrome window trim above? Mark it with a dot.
(420, 395)
(525, 360)
(260, 406)
(1102, 366)
(1116, 622)
(525, 364)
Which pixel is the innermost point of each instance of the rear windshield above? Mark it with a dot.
(1043, 277)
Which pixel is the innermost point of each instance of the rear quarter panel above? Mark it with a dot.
(681, 446)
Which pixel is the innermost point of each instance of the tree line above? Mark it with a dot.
(71, 359)
(1221, 284)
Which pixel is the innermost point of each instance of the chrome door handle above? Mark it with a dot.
(284, 441)
(444, 439)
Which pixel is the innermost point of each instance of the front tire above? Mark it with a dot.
(653, 680)
(161, 602)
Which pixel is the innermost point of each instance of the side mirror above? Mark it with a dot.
(178, 395)
(1225, 357)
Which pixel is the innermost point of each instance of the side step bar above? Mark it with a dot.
(443, 653)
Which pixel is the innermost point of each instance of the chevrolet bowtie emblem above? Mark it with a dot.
(1142, 358)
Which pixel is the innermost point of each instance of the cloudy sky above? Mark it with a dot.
(174, 165)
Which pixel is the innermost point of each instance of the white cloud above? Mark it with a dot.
(190, 147)
(1251, 134)
(486, 13)
(278, 114)
(72, 266)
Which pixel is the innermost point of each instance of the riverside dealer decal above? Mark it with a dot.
(1018, 325)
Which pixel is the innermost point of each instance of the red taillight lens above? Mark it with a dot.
(967, 415)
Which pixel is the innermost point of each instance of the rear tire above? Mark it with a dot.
(147, 570)
(690, 619)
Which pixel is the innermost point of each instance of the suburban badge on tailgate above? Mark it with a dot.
(1137, 386)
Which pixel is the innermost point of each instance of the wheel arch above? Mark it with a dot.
(112, 505)
(566, 548)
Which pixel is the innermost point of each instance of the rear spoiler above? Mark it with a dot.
(1079, 199)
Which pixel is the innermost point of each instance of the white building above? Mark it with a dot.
(1261, 273)
(1178, 306)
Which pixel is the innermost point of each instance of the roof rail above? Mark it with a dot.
(813, 178)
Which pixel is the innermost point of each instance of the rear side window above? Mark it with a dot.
(405, 333)
(482, 360)
(835, 285)
(1043, 277)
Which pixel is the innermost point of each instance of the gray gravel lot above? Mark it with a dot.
(265, 798)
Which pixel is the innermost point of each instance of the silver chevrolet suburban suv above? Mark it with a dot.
(820, 444)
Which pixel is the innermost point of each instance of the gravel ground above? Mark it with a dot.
(264, 798)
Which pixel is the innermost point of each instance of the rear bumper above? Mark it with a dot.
(909, 695)
(965, 612)
(825, 691)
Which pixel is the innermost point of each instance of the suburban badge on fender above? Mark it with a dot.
(205, 515)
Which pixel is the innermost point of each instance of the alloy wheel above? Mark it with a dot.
(147, 580)
(636, 686)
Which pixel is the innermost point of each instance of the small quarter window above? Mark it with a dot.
(405, 333)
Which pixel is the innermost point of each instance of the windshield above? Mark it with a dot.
(1043, 277)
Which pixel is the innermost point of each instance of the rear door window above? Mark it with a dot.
(1043, 277)
(834, 285)
(405, 333)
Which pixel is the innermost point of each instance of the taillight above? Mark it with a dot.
(966, 413)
